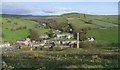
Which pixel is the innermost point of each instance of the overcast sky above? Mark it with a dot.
(57, 8)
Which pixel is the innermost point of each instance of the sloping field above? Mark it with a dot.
(104, 35)
(16, 29)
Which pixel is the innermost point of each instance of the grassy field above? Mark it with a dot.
(97, 21)
(9, 26)
(67, 58)
(104, 35)
(77, 23)
(16, 35)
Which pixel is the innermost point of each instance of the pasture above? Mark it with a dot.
(109, 35)
(15, 29)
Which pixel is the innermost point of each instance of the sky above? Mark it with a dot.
(60, 0)
(58, 8)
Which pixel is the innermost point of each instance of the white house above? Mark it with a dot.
(5, 45)
(26, 42)
(65, 35)
(91, 39)
(44, 36)
(44, 24)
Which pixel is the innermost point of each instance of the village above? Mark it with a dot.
(59, 36)
(60, 40)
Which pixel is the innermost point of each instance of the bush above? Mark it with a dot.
(19, 28)
(15, 23)
(86, 45)
(26, 48)
(24, 27)
(58, 49)
(9, 21)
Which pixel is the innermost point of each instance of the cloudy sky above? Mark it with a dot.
(57, 8)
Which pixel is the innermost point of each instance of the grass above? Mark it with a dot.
(103, 24)
(20, 22)
(15, 35)
(77, 23)
(67, 58)
(104, 35)
(19, 34)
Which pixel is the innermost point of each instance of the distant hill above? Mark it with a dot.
(14, 15)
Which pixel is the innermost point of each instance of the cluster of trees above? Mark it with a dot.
(50, 34)
(34, 35)
(82, 33)
(19, 28)
(56, 23)
(60, 25)
(9, 21)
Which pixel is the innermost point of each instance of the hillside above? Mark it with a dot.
(16, 29)
(100, 25)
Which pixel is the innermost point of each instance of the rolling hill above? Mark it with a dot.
(101, 26)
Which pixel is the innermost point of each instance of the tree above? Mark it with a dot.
(50, 33)
(83, 34)
(84, 16)
(34, 34)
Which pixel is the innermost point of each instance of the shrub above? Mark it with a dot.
(57, 49)
(15, 23)
(24, 27)
(9, 21)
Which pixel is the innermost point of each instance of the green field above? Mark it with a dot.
(70, 58)
(104, 35)
(97, 21)
(9, 26)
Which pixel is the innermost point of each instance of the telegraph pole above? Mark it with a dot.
(78, 42)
